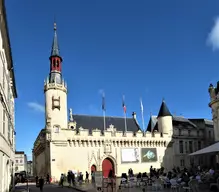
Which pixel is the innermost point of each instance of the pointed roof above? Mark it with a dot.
(152, 123)
(164, 111)
(55, 46)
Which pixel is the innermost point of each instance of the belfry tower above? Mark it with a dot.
(55, 90)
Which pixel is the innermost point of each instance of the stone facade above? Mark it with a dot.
(81, 143)
(214, 105)
(7, 96)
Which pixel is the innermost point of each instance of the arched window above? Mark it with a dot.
(54, 63)
(57, 63)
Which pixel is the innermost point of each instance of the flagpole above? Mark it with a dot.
(104, 111)
(125, 122)
(124, 109)
(142, 115)
(104, 120)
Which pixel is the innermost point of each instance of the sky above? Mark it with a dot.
(142, 49)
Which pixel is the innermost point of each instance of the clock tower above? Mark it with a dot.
(55, 90)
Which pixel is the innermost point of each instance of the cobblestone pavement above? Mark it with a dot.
(47, 188)
(88, 188)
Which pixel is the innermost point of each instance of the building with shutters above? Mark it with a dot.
(20, 162)
(80, 143)
(7, 98)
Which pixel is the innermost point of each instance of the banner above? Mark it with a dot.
(148, 155)
(130, 155)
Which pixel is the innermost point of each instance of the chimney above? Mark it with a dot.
(134, 115)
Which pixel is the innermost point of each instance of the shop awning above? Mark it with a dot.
(210, 149)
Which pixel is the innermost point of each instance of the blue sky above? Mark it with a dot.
(148, 49)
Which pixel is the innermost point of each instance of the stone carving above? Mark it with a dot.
(111, 128)
(107, 147)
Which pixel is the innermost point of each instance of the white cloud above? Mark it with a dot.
(36, 106)
(213, 37)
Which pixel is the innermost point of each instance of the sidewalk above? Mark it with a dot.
(90, 188)
(22, 187)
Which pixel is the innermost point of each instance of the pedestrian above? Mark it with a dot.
(41, 183)
(87, 177)
(37, 180)
(47, 179)
(62, 180)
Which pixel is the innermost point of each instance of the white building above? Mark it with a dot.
(20, 161)
(81, 142)
(7, 96)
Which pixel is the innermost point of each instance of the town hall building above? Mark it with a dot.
(80, 143)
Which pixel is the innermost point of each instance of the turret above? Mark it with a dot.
(164, 118)
(214, 105)
(55, 89)
(212, 92)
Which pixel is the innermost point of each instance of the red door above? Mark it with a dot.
(93, 168)
(106, 167)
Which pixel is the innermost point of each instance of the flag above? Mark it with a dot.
(123, 104)
(142, 108)
(103, 102)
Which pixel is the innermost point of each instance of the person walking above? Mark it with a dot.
(62, 180)
(47, 179)
(41, 183)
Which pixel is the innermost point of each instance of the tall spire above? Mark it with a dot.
(55, 61)
(55, 46)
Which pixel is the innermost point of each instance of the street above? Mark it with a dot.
(47, 188)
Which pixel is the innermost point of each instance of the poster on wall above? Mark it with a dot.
(148, 155)
(130, 155)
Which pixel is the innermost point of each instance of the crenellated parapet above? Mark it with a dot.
(48, 85)
(90, 141)
(97, 138)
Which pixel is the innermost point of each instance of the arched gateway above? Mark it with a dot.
(107, 165)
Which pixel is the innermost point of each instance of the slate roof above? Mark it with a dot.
(207, 122)
(182, 120)
(93, 122)
(164, 111)
(55, 46)
(153, 125)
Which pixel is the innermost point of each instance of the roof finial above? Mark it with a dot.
(54, 26)
(54, 23)
(163, 99)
